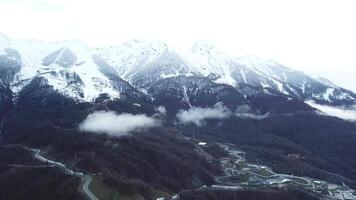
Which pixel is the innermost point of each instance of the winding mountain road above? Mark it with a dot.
(85, 188)
(235, 154)
(86, 179)
(314, 186)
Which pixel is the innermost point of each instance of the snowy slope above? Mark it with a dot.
(142, 63)
(131, 56)
(79, 78)
(209, 61)
(137, 65)
(294, 83)
(251, 70)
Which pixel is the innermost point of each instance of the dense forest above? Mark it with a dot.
(160, 158)
(22, 177)
(302, 144)
(163, 160)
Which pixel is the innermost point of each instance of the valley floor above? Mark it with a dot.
(240, 175)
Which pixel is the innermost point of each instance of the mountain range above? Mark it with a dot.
(143, 120)
(83, 72)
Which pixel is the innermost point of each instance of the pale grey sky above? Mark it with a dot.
(315, 36)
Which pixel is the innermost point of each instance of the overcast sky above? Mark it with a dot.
(315, 36)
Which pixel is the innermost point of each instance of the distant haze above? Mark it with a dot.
(317, 37)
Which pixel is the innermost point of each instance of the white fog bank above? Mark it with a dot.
(340, 112)
(198, 116)
(116, 125)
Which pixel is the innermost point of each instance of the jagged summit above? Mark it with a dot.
(204, 47)
(70, 68)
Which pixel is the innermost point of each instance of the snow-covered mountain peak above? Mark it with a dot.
(204, 47)
(325, 81)
(141, 62)
(66, 65)
(73, 42)
(155, 45)
(83, 72)
(131, 55)
(264, 67)
(207, 60)
(3, 38)
(4, 43)
(254, 62)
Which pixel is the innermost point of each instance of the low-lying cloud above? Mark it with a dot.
(251, 116)
(246, 112)
(116, 125)
(198, 116)
(340, 112)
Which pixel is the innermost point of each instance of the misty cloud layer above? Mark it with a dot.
(198, 116)
(340, 112)
(116, 125)
(251, 116)
(246, 112)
